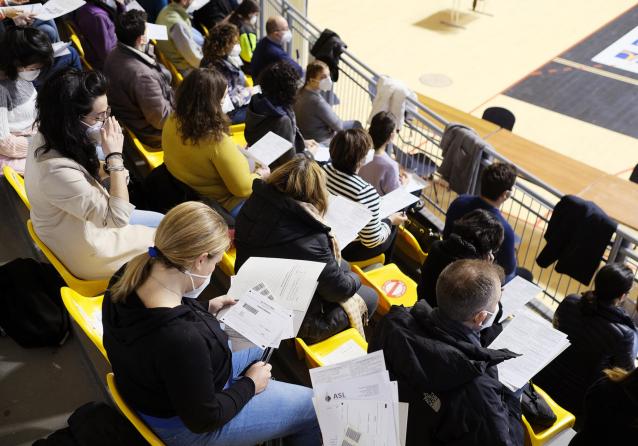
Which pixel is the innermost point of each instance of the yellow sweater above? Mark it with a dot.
(215, 170)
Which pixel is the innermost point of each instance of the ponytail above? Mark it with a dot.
(135, 273)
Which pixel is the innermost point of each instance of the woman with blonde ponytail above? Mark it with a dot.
(171, 358)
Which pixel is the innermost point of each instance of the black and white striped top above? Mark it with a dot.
(356, 189)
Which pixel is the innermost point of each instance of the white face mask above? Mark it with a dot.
(235, 51)
(93, 132)
(196, 291)
(325, 84)
(490, 320)
(29, 76)
(286, 36)
(253, 20)
(227, 104)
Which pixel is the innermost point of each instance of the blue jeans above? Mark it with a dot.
(145, 218)
(281, 411)
(49, 28)
(234, 212)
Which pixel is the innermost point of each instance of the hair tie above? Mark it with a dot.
(153, 252)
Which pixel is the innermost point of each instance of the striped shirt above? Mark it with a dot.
(356, 189)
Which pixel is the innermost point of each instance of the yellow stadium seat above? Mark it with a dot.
(75, 39)
(237, 128)
(84, 287)
(153, 158)
(564, 420)
(177, 76)
(17, 182)
(393, 287)
(141, 427)
(314, 354)
(249, 81)
(227, 264)
(87, 312)
(204, 30)
(413, 249)
(239, 139)
(365, 263)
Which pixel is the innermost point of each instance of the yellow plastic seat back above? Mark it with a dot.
(227, 264)
(153, 158)
(564, 420)
(141, 427)
(393, 287)
(84, 287)
(412, 248)
(177, 76)
(365, 263)
(237, 128)
(17, 182)
(249, 81)
(204, 30)
(77, 43)
(87, 313)
(318, 355)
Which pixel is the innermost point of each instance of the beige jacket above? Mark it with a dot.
(77, 219)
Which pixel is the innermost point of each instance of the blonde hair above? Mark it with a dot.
(302, 179)
(616, 374)
(186, 231)
(313, 70)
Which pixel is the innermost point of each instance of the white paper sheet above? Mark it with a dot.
(375, 386)
(346, 218)
(348, 350)
(415, 183)
(516, 293)
(358, 423)
(293, 282)
(57, 8)
(268, 149)
(133, 4)
(35, 8)
(537, 342)
(197, 4)
(322, 155)
(157, 32)
(260, 320)
(366, 365)
(395, 201)
(61, 49)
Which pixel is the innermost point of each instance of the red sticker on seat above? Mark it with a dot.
(394, 288)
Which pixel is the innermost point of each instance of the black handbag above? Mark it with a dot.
(536, 410)
(423, 231)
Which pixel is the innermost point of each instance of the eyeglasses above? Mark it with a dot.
(100, 117)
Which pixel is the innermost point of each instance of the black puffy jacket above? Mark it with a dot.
(442, 253)
(272, 224)
(450, 382)
(601, 336)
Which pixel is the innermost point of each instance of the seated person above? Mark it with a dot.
(444, 370)
(172, 359)
(24, 52)
(611, 410)
(497, 181)
(382, 171)
(271, 111)
(213, 13)
(348, 150)
(245, 19)
(21, 18)
(269, 49)
(140, 90)
(153, 8)
(92, 231)
(221, 51)
(184, 45)
(283, 218)
(95, 22)
(315, 117)
(476, 235)
(601, 336)
(198, 150)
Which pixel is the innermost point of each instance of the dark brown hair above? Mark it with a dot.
(496, 179)
(198, 109)
(348, 148)
(243, 11)
(219, 42)
(381, 128)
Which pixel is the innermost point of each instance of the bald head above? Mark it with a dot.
(466, 288)
(276, 24)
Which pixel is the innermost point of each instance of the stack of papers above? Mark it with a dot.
(268, 149)
(357, 404)
(49, 11)
(346, 218)
(535, 340)
(516, 293)
(395, 201)
(197, 4)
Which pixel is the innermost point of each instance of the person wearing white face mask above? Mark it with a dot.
(171, 357)
(270, 49)
(24, 52)
(245, 19)
(221, 51)
(315, 117)
(453, 375)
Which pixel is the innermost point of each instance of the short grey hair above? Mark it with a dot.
(468, 286)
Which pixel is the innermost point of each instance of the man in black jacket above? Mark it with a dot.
(443, 370)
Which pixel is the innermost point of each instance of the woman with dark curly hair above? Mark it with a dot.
(197, 148)
(221, 51)
(271, 111)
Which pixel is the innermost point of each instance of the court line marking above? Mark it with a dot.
(594, 70)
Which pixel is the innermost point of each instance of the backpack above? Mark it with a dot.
(31, 309)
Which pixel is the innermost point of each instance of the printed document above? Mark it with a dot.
(346, 218)
(61, 48)
(57, 8)
(322, 155)
(395, 201)
(348, 350)
(268, 149)
(35, 8)
(516, 293)
(415, 183)
(156, 32)
(535, 340)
